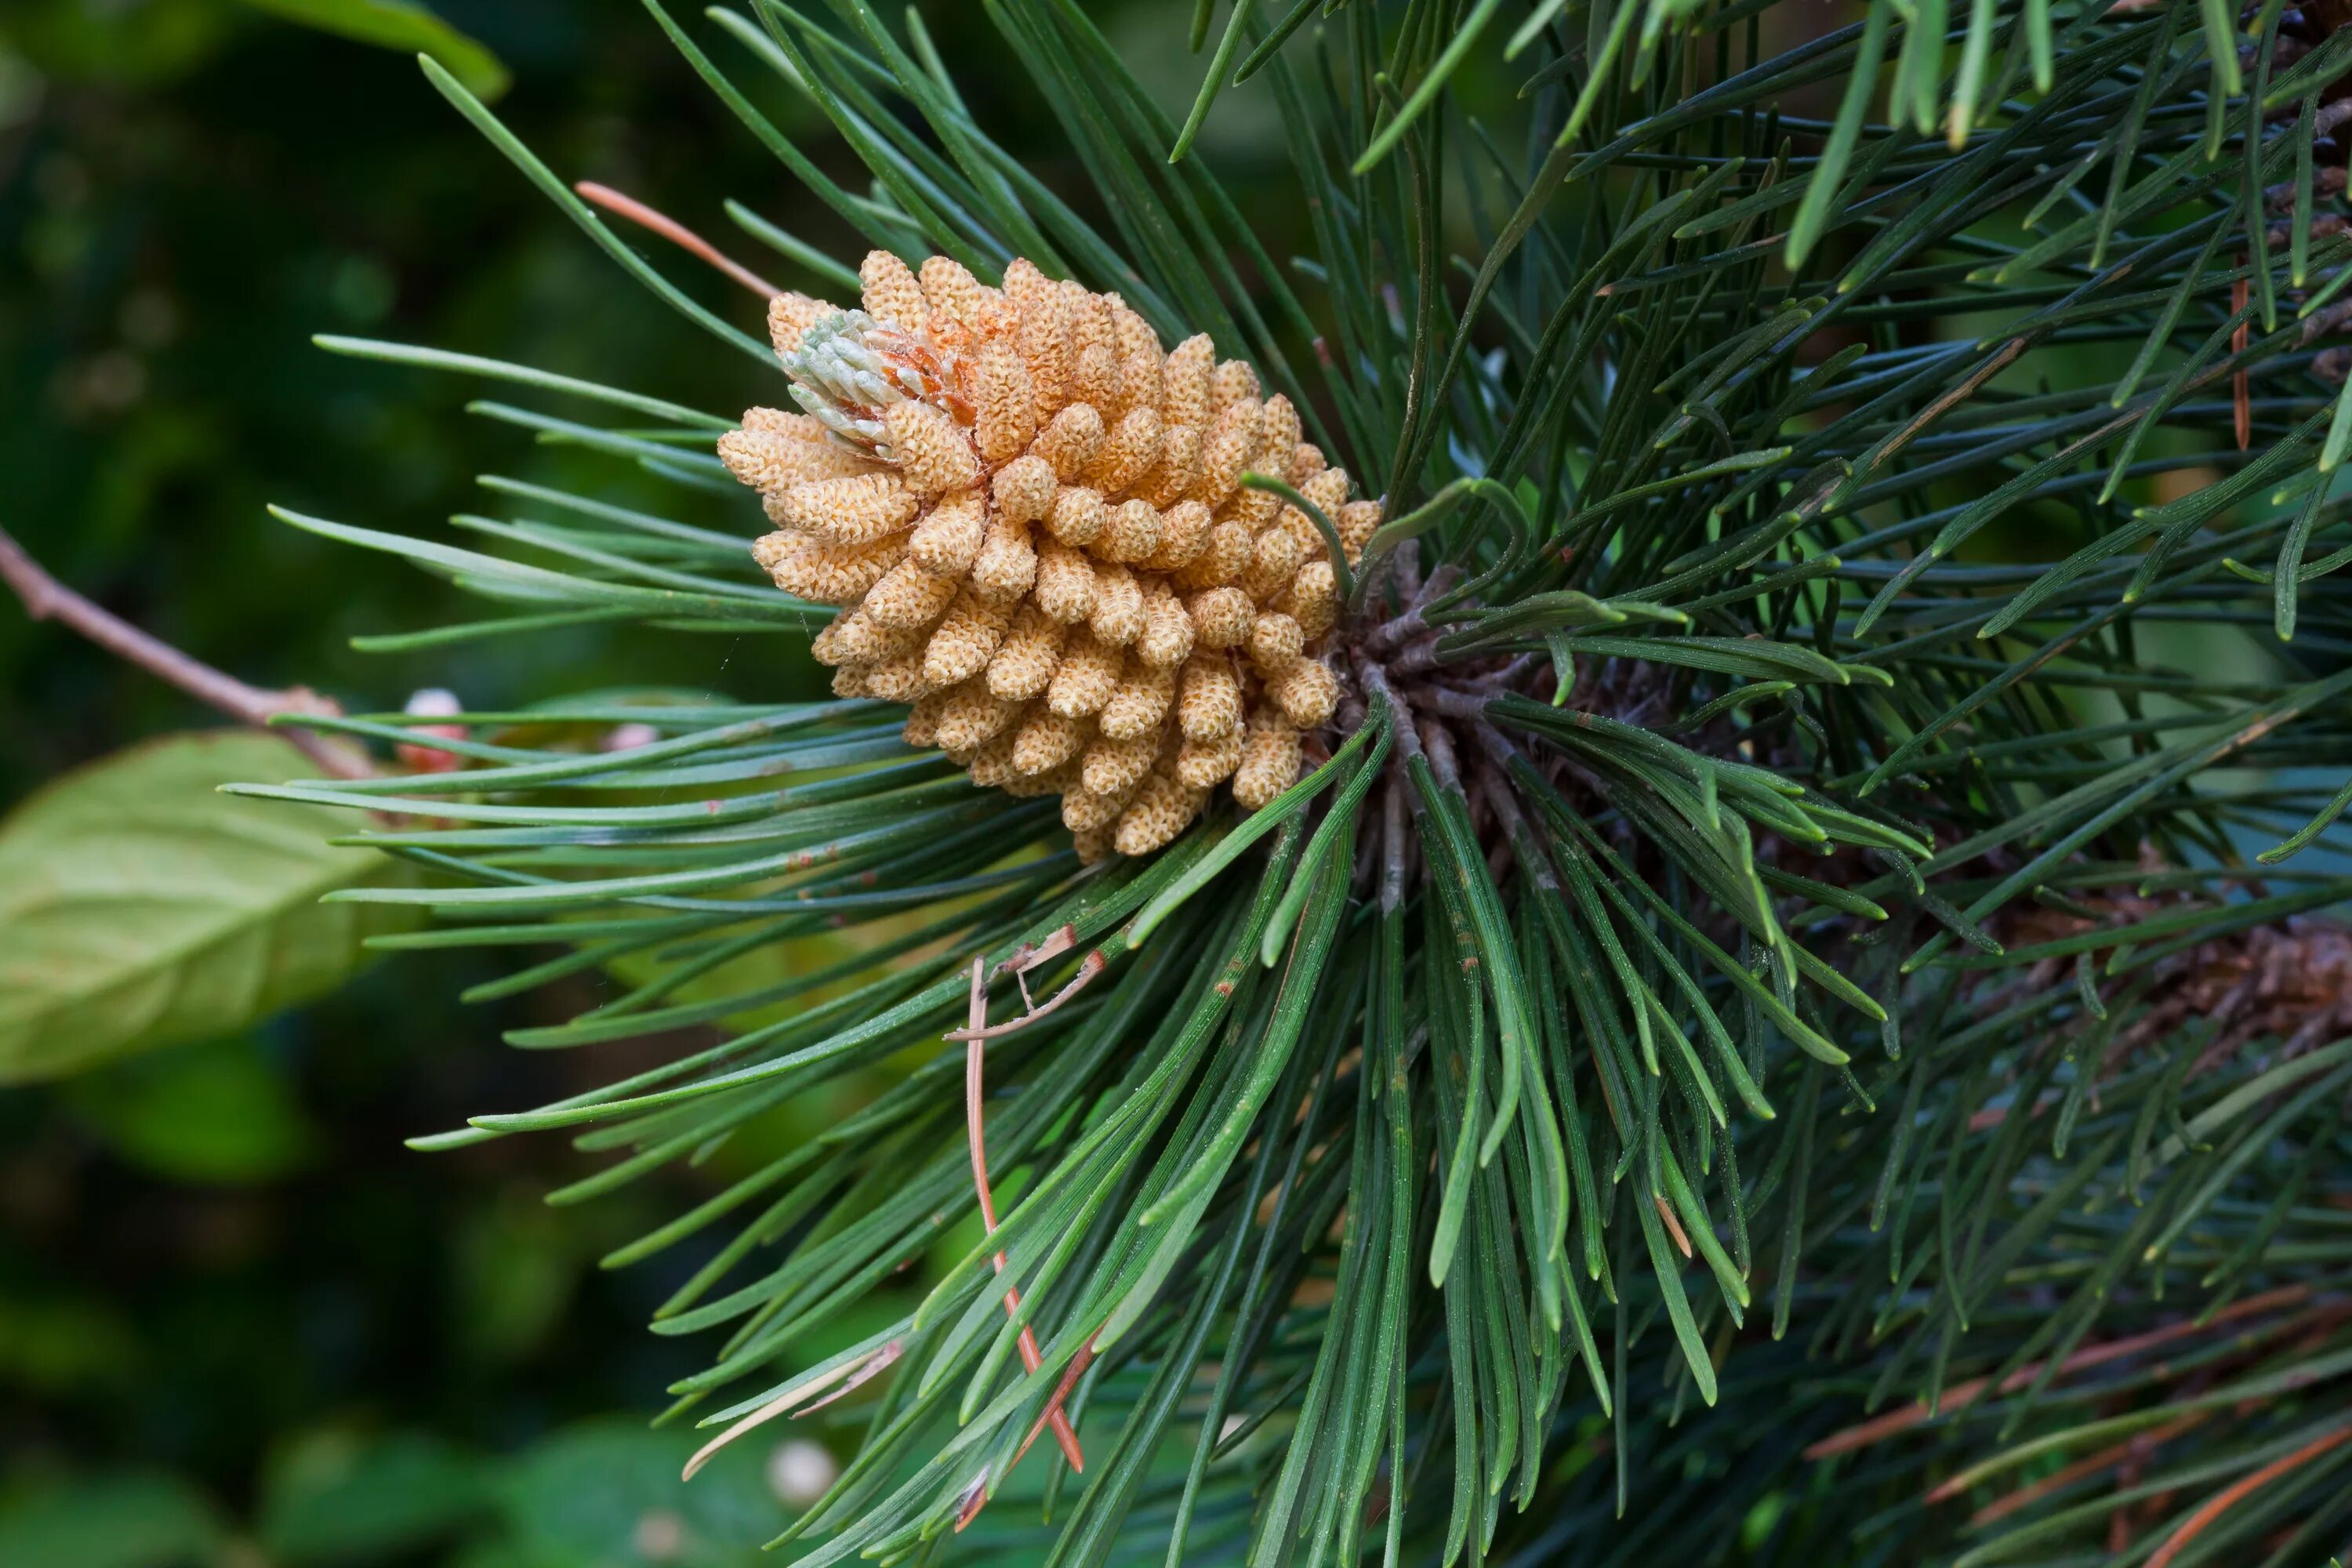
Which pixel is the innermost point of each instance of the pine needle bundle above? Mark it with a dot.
(1728, 953)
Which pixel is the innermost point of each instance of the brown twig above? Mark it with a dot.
(974, 1092)
(47, 599)
(1088, 967)
(1029, 956)
(677, 233)
(1961, 1396)
(2139, 1443)
(1078, 1364)
(2228, 1496)
(1019, 966)
(1389, 636)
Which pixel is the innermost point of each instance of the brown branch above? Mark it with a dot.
(677, 233)
(1392, 635)
(1455, 704)
(47, 599)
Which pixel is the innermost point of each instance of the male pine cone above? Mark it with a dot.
(1034, 520)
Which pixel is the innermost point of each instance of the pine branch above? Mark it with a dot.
(1745, 847)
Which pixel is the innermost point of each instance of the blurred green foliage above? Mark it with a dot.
(596, 1495)
(240, 1324)
(401, 25)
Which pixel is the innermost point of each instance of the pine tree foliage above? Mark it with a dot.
(1797, 1012)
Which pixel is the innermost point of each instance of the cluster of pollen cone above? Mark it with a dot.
(1033, 520)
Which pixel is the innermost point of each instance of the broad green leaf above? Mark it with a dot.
(140, 907)
(114, 1522)
(400, 25)
(337, 1497)
(611, 1493)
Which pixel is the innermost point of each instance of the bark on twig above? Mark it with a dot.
(47, 599)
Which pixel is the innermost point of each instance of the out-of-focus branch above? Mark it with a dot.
(47, 599)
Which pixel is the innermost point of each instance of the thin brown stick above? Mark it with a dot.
(1029, 956)
(2228, 1496)
(1037, 955)
(1943, 406)
(1088, 967)
(1078, 1364)
(974, 1092)
(677, 233)
(2140, 1443)
(47, 599)
(2322, 1318)
(1961, 1396)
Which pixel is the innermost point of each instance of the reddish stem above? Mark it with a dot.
(47, 599)
(2025, 1497)
(1961, 1397)
(974, 1092)
(677, 233)
(1078, 1364)
(2228, 1496)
